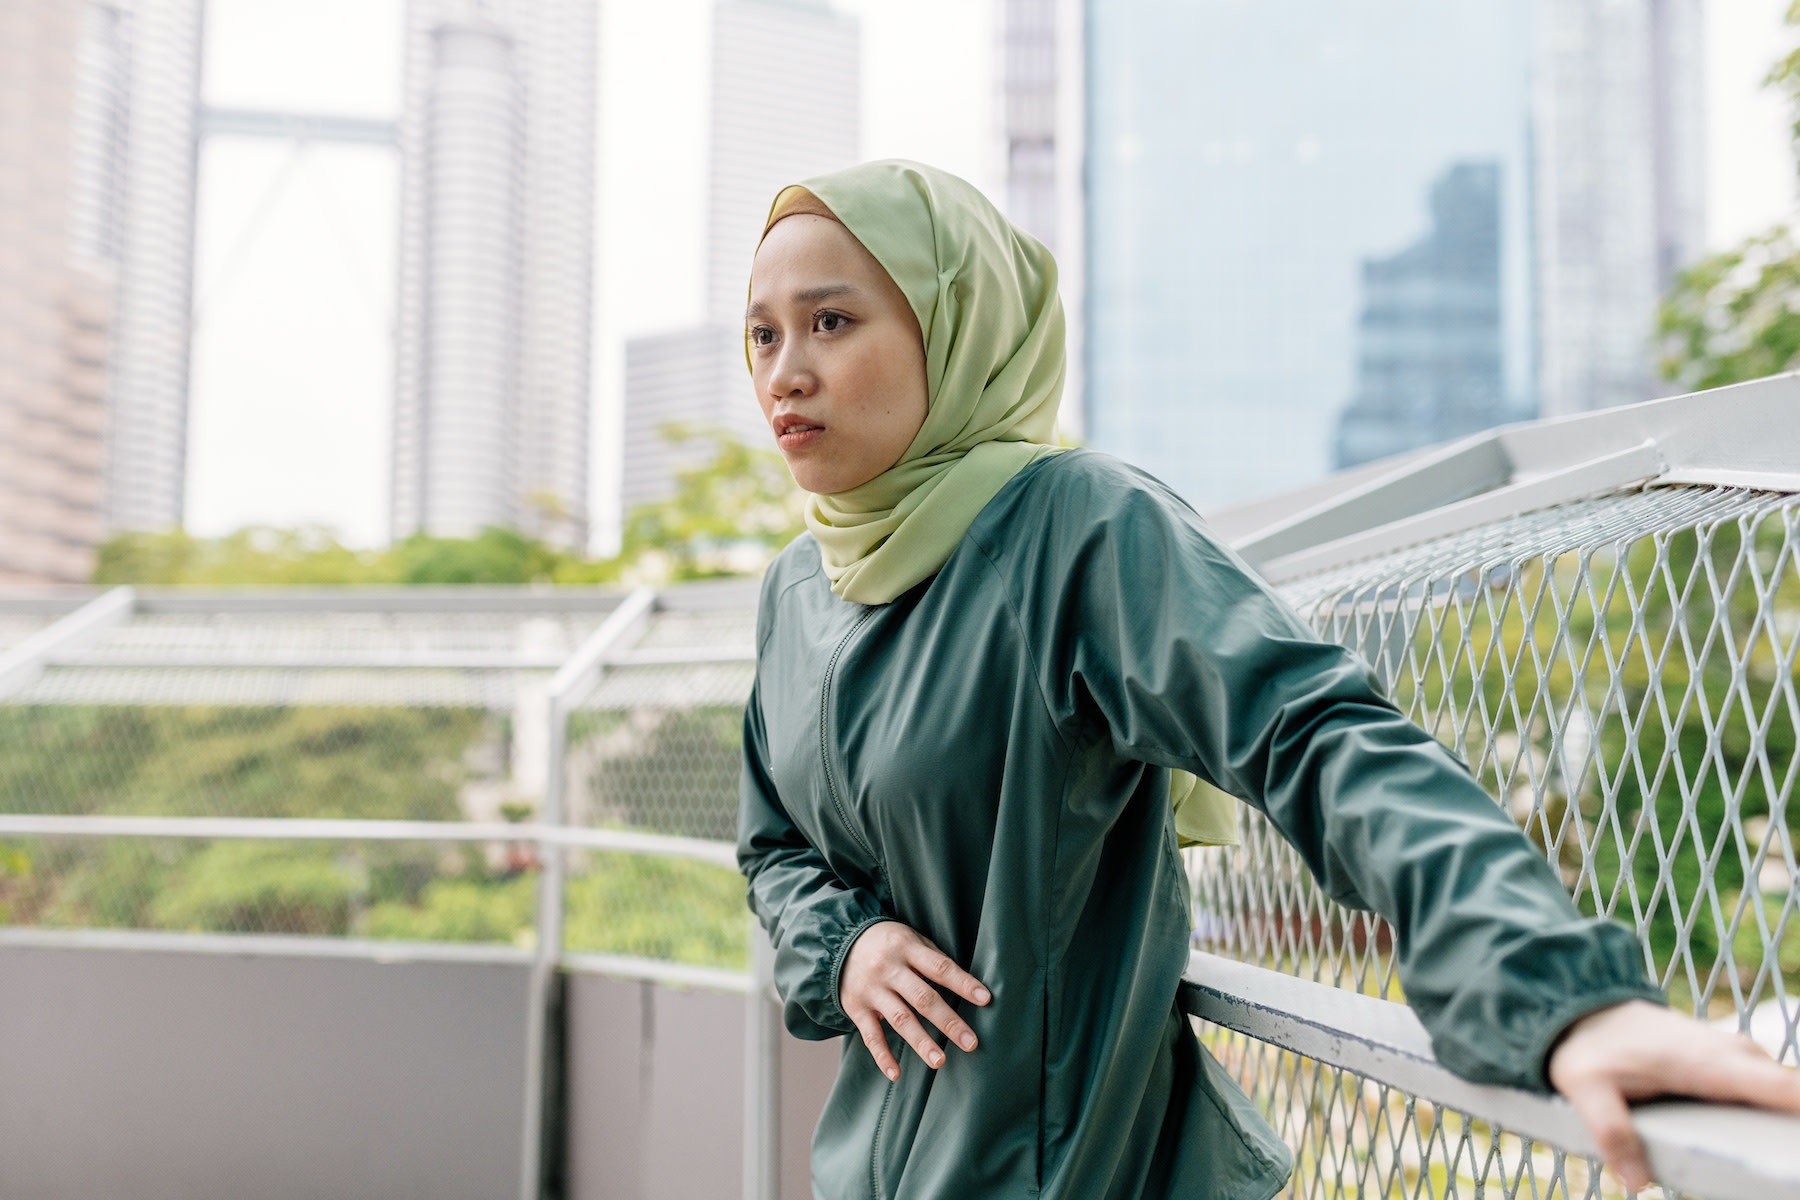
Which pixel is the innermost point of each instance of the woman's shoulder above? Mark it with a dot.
(1078, 490)
(796, 564)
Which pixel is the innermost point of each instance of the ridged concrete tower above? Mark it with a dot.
(61, 153)
(493, 336)
(1619, 203)
(762, 138)
(155, 45)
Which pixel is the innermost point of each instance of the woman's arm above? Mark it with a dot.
(1168, 645)
(812, 918)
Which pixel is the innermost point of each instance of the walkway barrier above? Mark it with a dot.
(1601, 615)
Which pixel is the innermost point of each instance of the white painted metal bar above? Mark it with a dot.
(762, 1074)
(1716, 1151)
(297, 829)
(298, 126)
(683, 656)
(620, 966)
(438, 599)
(1443, 476)
(1637, 464)
(25, 661)
(152, 659)
(571, 684)
(1745, 436)
(423, 660)
(261, 945)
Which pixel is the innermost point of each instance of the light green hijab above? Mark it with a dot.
(985, 296)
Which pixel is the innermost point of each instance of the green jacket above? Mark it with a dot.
(986, 759)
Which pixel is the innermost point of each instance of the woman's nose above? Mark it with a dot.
(792, 373)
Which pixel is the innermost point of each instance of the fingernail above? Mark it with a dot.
(937, 1060)
(982, 996)
(893, 1074)
(968, 1041)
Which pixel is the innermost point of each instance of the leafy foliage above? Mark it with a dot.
(1736, 316)
(729, 514)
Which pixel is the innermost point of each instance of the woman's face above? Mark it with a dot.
(835, 354)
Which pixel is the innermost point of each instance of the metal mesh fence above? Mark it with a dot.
(1620, 674)
(353, 715)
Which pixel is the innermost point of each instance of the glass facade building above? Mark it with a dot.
(1261, 180)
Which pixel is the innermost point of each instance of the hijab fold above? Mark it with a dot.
(985, 296)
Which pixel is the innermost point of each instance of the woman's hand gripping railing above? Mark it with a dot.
(1715, 1151)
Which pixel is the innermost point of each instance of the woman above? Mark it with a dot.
(976, 676)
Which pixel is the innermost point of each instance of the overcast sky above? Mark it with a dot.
(292, 371)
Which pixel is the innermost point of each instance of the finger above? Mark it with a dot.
(929, 1003)
(942, 970)
(1602, 1109)
(869, 1025)
(1746, 1076)
(912, 1030)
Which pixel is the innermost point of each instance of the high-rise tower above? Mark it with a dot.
(149, 51)
(1245, 160)
(1041, 50)
(495, 289)
(61, 156)
(762, 138)
(1619, 205)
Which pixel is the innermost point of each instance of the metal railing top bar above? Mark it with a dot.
(651, 971)
(267, 946)
(25, 661)
(226, 658)
(1743, 436)
(1722, 1152)
(458, 598)
(576, 676)
(313, 829)
(413, 660)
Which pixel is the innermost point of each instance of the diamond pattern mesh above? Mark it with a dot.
(1620, 675)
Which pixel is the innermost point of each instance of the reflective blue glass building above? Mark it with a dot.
(1290, 202)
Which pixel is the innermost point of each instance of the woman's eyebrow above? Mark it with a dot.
(811, 295)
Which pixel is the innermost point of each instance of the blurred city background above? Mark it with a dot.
(353, 272)
(305, 889)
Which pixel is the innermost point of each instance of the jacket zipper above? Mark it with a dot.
(837, 803)
(824, 743)
(875, 1143)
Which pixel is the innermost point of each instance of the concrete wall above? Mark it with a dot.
(189, 1076)
(172, 1075)
(655, 1092)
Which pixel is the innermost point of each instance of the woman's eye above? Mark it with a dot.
(830, 322)
(762, 335)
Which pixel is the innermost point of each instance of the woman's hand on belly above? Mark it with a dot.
(893, 974)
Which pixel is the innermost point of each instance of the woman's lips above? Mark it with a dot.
(797, 436)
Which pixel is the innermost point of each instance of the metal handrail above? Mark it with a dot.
(1719, 1151)
(316, 829)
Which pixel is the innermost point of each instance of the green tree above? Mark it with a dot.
(730, 513)
(1736, 315)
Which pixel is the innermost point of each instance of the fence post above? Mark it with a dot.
(568, 688)
(762, 1075)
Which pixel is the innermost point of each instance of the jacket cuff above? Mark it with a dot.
(838, 958)
(1560, 1017)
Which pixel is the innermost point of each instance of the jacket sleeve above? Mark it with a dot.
(811, 917)
(1173, 648)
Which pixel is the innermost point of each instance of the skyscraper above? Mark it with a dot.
(1429, 351)
(762, 138)
(1620, 168)
(148, 52)
(1245, 161)
(495, 290)
(1041, 96)
(59, 154)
